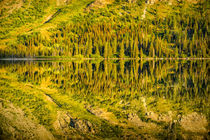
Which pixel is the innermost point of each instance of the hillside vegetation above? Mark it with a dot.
(125, 92)
(104, 28)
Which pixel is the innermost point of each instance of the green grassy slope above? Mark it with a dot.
(118, 29)
(31, 16)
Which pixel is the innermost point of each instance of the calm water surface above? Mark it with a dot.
(140, 87)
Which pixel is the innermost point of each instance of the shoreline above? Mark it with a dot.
(56, 58)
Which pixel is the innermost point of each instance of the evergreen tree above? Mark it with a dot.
(122, 49)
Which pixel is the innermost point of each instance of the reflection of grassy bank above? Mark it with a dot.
(30, 99)
(36, 105)
(109, 98)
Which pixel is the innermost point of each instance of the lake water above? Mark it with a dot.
(112, 98)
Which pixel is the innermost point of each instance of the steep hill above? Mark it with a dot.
(121, 28)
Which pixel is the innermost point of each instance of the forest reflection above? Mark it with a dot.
(184, 82)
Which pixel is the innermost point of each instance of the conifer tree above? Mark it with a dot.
(106, 50)
(122, 49)
(151, 50)
(141, 53)
(109, 50)
(89, 49)
(136, 48)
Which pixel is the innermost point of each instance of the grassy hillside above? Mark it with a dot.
(31, 16)
(104, 28)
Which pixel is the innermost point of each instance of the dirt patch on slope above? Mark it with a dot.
(72, 127)
(99, 4)
(103, 114)
(15, 125)
(194, 122)
(8, 6)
